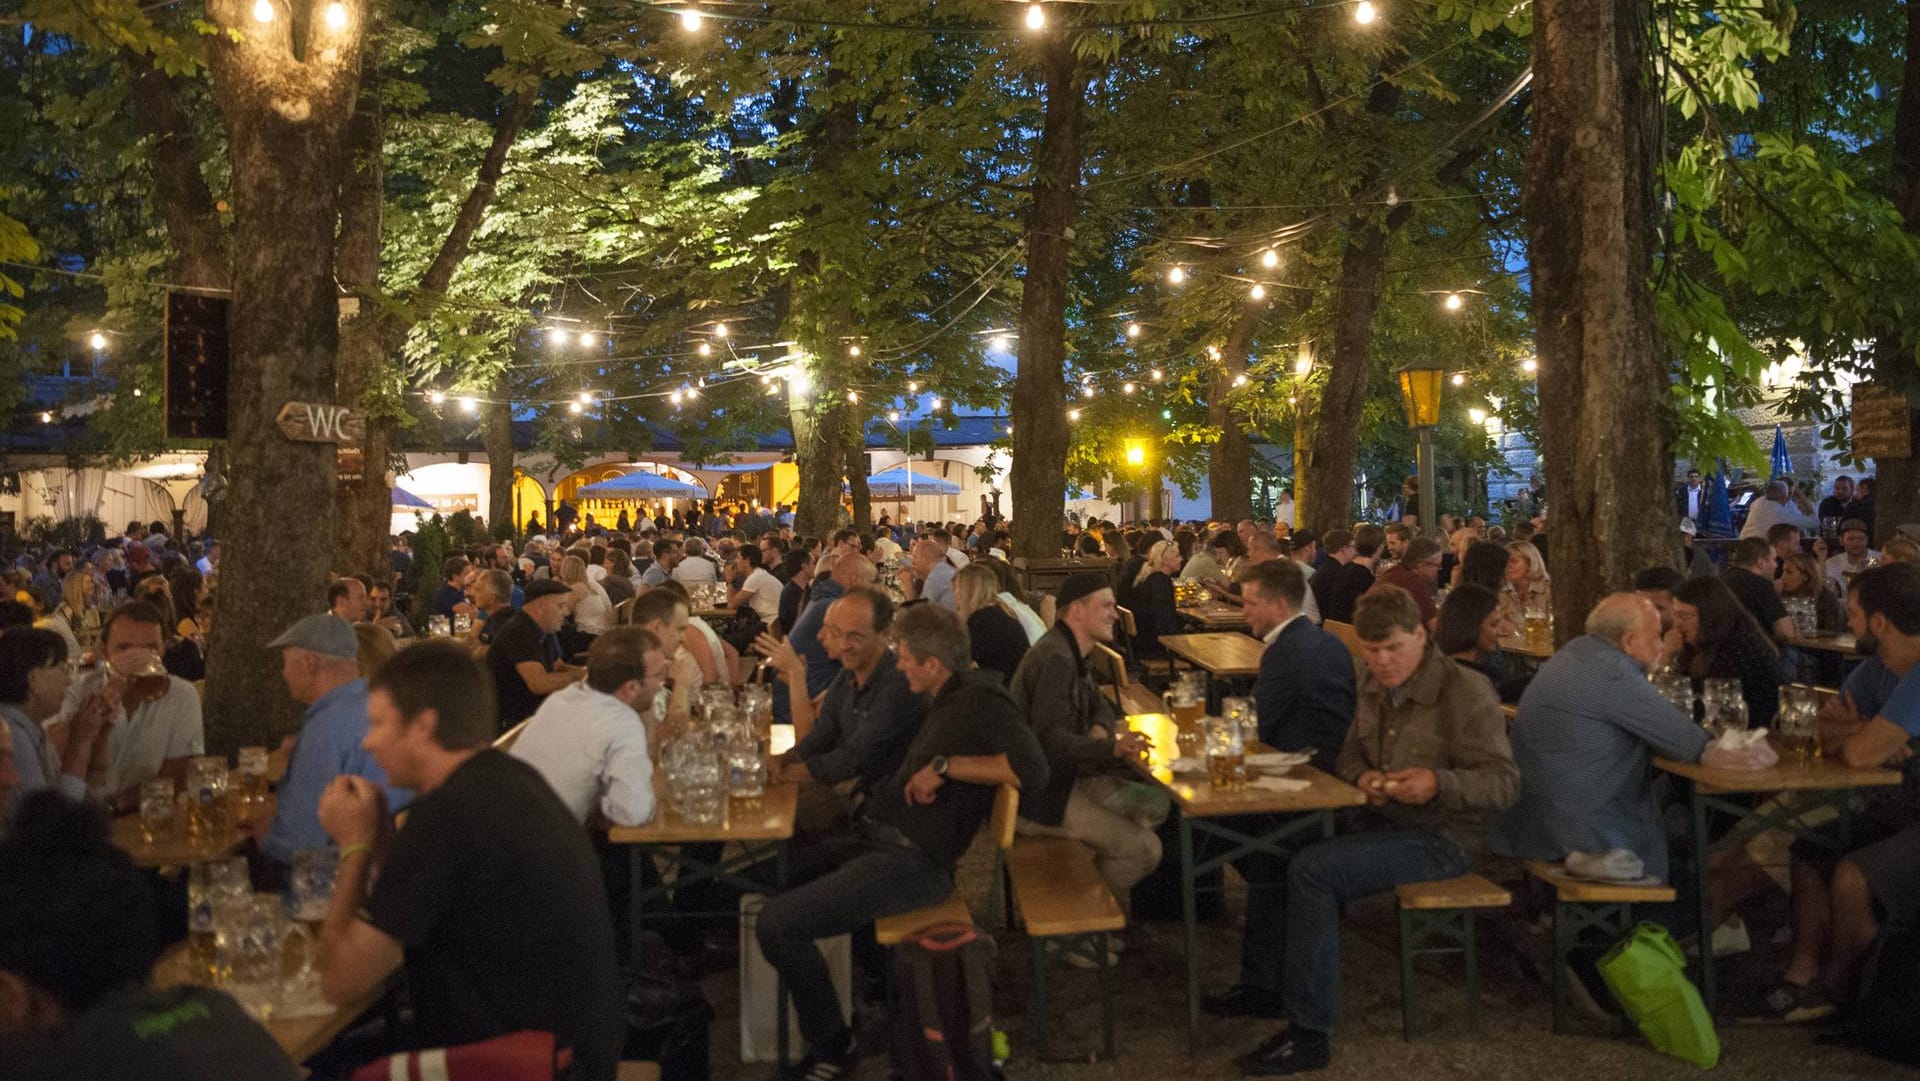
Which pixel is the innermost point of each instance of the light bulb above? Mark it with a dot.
(263, 11)
(434, 397)
(1269, 258)
(1126, 388)
(336, 16)
(913, 387)
(574, 408)
(705, 350)
(935, 407)
(720, 330)
(589, 338)
(1176, 274)
(1455, 302)
(1036, 17)
(674, 397)
(853, 350)
(1529, 365)
(1086, 392)
(690, 20)
(1303, 364)
(46, 418)
(1213, 352)
(1258, 292)
(1002, 343)
(97, 340)
(893, 416)
(1133, 330)
(1240, 380)
(1073, 414)
(136, 392)
(470, 405)
(557, 336)
(586, 397)
(1158, 375)
(853, 396)
(1477, 415)
(1459, 379)
(1363, 13)
(1393, 197)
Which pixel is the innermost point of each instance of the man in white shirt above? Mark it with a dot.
(931, 571)
(209, 563)
(152, 732)
(757, 587)
(589, 740)
(884, 549)
(1283, 511)
(956, 554)
(1780, 503)
(1854, 555)
(696, 568)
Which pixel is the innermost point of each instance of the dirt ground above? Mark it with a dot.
(1515, 1040)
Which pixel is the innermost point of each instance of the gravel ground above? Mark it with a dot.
(1514, 1042)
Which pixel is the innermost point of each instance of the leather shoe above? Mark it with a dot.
(1301, 1051)
(1244, 1000)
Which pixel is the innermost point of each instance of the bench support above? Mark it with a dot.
(1435, 931)
(1093, 947)
(1583, 923)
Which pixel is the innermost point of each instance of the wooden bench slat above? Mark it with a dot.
(1463, 891)
(1058, 890)
(1583, 892)
(638, 1071)
(892, 930)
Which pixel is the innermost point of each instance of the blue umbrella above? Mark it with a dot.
(1719, 509)
(895, 484)
(641, 484)
(1782, 461)
(404, 498)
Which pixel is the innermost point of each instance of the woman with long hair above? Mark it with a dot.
(998, 640)
(592, 611)
(1525, 583)
(1723, 641)
(1800, 578)
(188, 590)
(1469, 630)
(79, 606)
(1153, 607)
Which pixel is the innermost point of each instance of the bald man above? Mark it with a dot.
(1584, 738)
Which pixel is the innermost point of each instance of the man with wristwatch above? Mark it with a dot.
(915, 826)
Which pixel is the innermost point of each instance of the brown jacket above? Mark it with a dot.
(1448, 720)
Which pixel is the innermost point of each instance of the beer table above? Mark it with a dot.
(759, 833)
(1215, 616)
(1223, 656)
(1820, 783)
(1830, 642)
(300, 1037)
(1283, 823)
(1518, 645)
(175, 849)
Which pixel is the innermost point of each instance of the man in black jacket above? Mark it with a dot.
(1086, 758)
(914, 828)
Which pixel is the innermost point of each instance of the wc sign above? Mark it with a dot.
(313, 422)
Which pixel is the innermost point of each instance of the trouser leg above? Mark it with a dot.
(1124, 851)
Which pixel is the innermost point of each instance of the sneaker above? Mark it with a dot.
(1295, 1051)
(831, 1061)
(1243, 1000)
(1791, 1004)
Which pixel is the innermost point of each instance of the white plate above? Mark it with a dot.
(1279, 759)
(1188, 765)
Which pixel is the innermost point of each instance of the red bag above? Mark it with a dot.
(517, 1056)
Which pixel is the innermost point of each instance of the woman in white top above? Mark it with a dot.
(715, 657)
(592, 611)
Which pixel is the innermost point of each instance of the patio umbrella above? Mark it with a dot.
(1782, 461)
(896, 484)
(1718, 511)
(641, 485)
(404, 498)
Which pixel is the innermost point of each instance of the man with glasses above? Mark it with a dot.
(1418, 569)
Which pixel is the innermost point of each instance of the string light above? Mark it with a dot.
(1459, 379)
(1213, 352)
(1240, 380)
(435, 397)
(1133, 330)
(1258, 292)
(46, 418)
(1303, 363)
(263, 11)
(586, 397)
(136, 392)
(720, 330)
(97, 340)
(574, 408)
(1127, 388)
(470, 405)
(674, 397)
(690, 20)
(1158, 375)
(853, 396)
(336, 16)
(1477, 415)
(558, 336)
(589, 339)
(893, 416)
(1036, 17)
(705, 350)
(1176, 274)
(1455, 302)
(1269, 258)
(1002, 343)
(1363, 13)
(935, 407)
(913, 387)
(1072, 414)
(853, 350)
(1086, 392)
(1530, 365)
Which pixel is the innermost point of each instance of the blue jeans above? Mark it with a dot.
(1319, 878)
(844, 883)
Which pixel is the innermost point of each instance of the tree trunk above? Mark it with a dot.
(857, 481)
(1896, 482)
(285, 119)
(819, 454)
(1230, 459)
(1323, 477)
(1038, 405)
(365, 506)
(179, 188)
(498, 439)
(1603, 378)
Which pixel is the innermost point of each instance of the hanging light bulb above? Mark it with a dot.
(589, 339)
(1364, 14)
(853, 396)
(1477, 415)
(694, 392)
(1459, 379)
(1133, 330)
(558, 336)
(853, 350)
(704, 350)
(1002, 343)
(1258, 292)
(470, 405)
(263, 11)
(574, 408)
(1072, 414)
(586, 397)
(97, 340)
(336, 16)
(935, 407)
(1036, 17)
(1393, 197)
(690, 19)
(913, 387)
(1303, 363)
(1455, 302)
(720, 330)
(893, 416)
(1127, 388)
(1158, 375)
(674, 397)
(435, 397)
(1086, 392)
(1530, 365)
(1213, 352)
(1269, 258)
(1176, 274)
(136, 392)
(1240, 380)
(46, 418)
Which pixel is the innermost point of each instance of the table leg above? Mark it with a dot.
(636, 887)
(1190, 922)
(1703, 900)
(781, 1051)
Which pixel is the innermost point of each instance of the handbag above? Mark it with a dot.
(517, 1056)
(1647, 974)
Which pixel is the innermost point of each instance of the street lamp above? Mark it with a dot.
(1420, 388)
(1137, 460)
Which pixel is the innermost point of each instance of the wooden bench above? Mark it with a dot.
(506, 740)
(1588, 914)
(1068, 911)
(892, 930)
(1157, 667)
(1127, 696)
(1045, 575)
(1437, 917)
(1347, 635)
(637, 1071)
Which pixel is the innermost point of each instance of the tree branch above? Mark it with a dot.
(433, 284)
(185, 202)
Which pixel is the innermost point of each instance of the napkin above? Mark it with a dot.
(1740, 750)
(1278, 784)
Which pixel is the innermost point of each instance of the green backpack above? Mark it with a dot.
(1647, 974)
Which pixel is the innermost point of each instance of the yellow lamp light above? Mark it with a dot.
(1420, 389)
(1136, 452)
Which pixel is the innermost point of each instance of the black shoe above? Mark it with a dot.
(1245, 1000)
(1299, 1050)
(831, 1061)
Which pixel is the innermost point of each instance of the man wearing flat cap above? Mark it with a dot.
(524, 656)
(1086, 757)
(319, 661)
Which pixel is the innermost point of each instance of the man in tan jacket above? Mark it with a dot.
(1429, 748)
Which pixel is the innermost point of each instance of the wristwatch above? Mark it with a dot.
(938, 765)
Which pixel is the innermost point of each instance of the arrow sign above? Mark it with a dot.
(312, 422)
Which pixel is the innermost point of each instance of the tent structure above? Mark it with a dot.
(897, 483)
(407, 500)
(641, 485)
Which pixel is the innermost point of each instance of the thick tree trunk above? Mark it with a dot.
(1896, 482)
(1323, 477)
(365, 506)
(1039, 471)
(285, 120)
(1230, 459)
(179, 188)
(498, 438)
(857, 481)
(820, 455)
(1603, 377)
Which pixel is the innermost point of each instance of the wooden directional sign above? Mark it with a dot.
(1882, 422)
(314, 422)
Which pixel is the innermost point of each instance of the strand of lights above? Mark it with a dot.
(1036, 17)
(690, 19)
(1364, 13)
(98, 340)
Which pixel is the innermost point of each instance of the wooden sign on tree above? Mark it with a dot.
(314, 422)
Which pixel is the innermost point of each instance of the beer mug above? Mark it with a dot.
(1226, 755)
(206, 798)
(156, 809)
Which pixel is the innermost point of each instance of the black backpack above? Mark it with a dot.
(1881, 1018)
(943, 1005)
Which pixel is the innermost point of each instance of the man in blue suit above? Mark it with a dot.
(1304, 698)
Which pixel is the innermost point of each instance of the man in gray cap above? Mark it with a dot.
(318, 659)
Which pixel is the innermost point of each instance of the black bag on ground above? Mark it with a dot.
(943, 1005)
(1881, 1018)
(667, 1021)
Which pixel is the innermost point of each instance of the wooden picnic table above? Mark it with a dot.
(1517, 644)
(1241, 823)
(300, 1037)
(174, 849)
(772, 821)
(1215, 616)
(713, 613)
(1223, 655)
(1830, 642)
(1815, 785)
